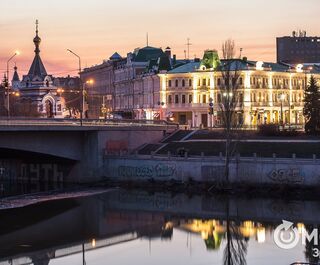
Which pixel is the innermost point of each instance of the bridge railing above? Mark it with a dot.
(84, 122)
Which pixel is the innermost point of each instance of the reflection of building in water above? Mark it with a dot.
(213, 231)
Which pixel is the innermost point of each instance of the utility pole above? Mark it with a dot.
(188, 47)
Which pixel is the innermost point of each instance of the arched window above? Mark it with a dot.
(183, 99)
(183, 83)
(177, 82)
(176, 99)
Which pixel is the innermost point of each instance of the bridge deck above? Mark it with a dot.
(84, 125)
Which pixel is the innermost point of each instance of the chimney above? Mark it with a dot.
(168, 52)
(174, 59)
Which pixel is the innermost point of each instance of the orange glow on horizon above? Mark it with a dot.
(84, 27)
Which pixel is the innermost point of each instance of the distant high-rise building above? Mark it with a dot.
(298, 48)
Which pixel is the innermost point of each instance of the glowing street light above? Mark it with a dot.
(82, 85)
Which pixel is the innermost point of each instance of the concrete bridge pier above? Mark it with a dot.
(98, 143)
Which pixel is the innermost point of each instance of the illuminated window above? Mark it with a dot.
(204, 98)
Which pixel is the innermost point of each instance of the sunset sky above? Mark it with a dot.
(96, 28)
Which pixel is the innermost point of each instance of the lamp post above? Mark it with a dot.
(8, 94)
(81, 87)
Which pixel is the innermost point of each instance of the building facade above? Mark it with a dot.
(268, 93)
(100, 94)
(298, 48)
(128, 87)
(132, 96)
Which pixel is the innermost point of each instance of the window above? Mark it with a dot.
(170, 83)
(170, 99)
(241, 81)
(177, 83)
(190, 83)
(176, 99)
(199, 82)
(219, 98)
(209, 82)
(183, 83)
(241, 98)
(204, 98)
(204, 82)
(219, 81)
(183, 99)
(190, 98)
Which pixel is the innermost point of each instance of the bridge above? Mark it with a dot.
(82, 142)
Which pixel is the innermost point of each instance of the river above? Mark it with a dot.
(116, 226)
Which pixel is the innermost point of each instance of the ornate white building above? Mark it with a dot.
(267, 93)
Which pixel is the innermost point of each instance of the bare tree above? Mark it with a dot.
(231, 99)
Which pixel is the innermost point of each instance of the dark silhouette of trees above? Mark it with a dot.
(311, 109)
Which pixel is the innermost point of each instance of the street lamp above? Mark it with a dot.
(81, 86)
(8, 94)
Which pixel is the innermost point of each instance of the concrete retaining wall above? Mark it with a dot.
(256, 171)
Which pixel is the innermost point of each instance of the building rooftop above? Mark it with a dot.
(147, 53)
(242, 65)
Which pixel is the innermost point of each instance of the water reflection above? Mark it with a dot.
(140, 228)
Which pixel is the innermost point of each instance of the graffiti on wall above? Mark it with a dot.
(286, 176)
(157, 171)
